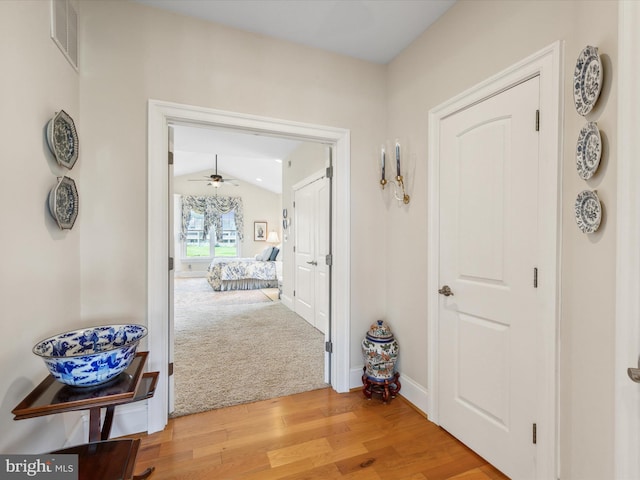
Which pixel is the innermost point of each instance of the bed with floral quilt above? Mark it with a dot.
(243, 273)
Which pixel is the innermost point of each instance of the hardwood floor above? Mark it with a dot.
(314, 435)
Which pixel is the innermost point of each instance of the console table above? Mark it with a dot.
(132, 385)
(107, 460)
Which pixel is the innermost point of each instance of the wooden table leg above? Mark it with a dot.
(108, 421)
(144, 474)
(94, 424)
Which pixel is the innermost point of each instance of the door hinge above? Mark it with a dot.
(535, 277)
(328, 347)
(170, 263)
(535, 433)
(537, 120)
(329, 172)
(294, 293)
(328, 259)
(171, 369)
(294, 204)
(170, 156)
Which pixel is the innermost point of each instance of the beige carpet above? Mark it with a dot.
(197, 291)
(228, 354)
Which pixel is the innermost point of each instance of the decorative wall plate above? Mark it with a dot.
(588, 151)
(63, 202)
(587, 80)
(62, 138)
(588, 211)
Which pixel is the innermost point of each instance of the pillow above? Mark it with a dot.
(266, 253)
(274, 254)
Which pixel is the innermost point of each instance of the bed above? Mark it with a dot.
(244, 273)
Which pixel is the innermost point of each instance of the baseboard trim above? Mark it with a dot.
(411, 390)
(287, 302)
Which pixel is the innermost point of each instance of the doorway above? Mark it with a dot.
(544, 66)
(258, 174)
(160, 115)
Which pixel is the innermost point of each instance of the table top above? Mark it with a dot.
(52, 396)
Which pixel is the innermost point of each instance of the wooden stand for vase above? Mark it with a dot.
(388, 388)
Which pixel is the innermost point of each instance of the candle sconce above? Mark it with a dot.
(399, 192)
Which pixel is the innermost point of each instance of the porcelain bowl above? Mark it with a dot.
(90, 356)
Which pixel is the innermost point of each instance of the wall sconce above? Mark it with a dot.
(398, 182)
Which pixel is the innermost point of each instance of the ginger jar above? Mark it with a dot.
(380, 352)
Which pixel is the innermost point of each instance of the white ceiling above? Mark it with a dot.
(372, 30)
(249, 158)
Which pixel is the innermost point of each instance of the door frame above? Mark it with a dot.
(547, 64)
(160, 115)
(627, 326)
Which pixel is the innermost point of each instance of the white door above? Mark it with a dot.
(312, 245)
(488, 230)
(305, 253)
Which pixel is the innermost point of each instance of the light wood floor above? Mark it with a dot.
(314, 435)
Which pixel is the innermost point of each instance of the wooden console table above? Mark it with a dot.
(51, 397)
(107, 460)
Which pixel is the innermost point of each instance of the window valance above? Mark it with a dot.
(212, 208)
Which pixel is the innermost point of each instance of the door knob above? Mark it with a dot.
(446, 291)
(313, 263)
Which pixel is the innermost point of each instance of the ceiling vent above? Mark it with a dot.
(64, 29)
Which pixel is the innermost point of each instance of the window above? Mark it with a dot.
(197, 243)
(200, 245)
(227, 246)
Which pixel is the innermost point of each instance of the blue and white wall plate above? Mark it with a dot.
(588, 151)
(63, 202)
(588, 211)
(62, 138)
(587, 80)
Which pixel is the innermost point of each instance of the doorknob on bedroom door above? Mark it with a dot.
(314, 263)
(446, 291)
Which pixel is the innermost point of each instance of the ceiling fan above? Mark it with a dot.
(215, 179)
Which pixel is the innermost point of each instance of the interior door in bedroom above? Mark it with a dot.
(312, 246)
(489, 328)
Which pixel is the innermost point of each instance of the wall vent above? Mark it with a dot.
(64, 28)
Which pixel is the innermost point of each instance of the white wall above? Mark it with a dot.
(132, 53)
(471, 42)
(40, 277)
(54, 280)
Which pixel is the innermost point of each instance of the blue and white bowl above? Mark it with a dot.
(90, 356)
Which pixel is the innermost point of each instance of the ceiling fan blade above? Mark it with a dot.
(197, 180)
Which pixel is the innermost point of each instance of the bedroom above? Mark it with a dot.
(259, 176)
